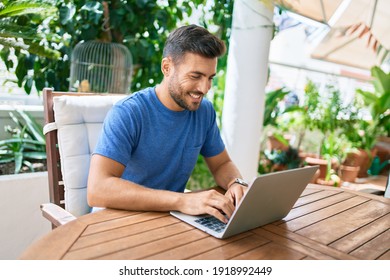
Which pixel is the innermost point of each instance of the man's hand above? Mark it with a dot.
(235, 193)
(207, 202)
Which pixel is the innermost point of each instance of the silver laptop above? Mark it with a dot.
(269, 198)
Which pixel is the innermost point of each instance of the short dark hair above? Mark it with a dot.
(193, 39)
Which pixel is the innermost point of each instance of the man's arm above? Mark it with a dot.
(107, 189)
(224, 172)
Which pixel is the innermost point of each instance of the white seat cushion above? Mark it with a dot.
(79, 120)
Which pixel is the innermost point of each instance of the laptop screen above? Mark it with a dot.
(387, 189)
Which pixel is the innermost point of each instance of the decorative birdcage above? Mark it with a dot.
(100, 67)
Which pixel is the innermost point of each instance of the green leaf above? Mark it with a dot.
(29, 165)
(30, 61)
(12, 30)
(368, 97)
(43, 51)
(35, 155)
(66, 13)
(21, 71)
(18, 8)
(28, 84)
(6, 160)
(381, 80)
(40, 83)
(18, 161)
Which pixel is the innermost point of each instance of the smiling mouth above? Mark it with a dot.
(196, 95)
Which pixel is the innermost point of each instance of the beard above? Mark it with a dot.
(182, 97)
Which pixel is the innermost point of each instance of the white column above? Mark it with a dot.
(246, 78)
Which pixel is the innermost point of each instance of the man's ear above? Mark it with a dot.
(166, 65)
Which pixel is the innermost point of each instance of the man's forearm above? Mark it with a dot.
(225, 174)
(121, 194)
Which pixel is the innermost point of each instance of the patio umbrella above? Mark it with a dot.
(357, 30)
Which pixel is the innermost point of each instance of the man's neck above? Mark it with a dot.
(164, 97)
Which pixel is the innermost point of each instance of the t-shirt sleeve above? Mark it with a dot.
(116, 140)
(213, 144)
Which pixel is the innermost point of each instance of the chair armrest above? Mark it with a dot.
(55, 214)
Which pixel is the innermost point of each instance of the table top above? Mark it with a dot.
(325, 223)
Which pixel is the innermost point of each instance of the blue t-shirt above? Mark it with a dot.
(158, 147)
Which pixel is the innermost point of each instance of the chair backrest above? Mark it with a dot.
(72, 125)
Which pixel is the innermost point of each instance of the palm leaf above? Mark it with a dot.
(12, 43)
(12, 30)
(18, 8)
(381, 81)
(271, 102)
(368, 97)
(33, 48)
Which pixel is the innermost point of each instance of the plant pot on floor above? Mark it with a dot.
(322, 163)
(348, 173)
(362, 159)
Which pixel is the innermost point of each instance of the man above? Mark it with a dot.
(151, 140)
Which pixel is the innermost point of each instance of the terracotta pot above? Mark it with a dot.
(383, 152)
(348, 173)
(279, 167)
(274, 144)
(322, 163)
(362, 159)
(304, 155)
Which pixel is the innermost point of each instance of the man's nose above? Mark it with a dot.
(204, 86)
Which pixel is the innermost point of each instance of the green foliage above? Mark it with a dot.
(201, 177)
(22, 29)
(334, 149)
(310, 105)
(142, 26)
(288, 158)
(27, 142)
(271, 108)
(369, 115)
(20, 19)
(378, 102)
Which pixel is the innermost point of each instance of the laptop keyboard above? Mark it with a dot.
(212, 223)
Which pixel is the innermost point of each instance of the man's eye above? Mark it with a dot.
(195, 77)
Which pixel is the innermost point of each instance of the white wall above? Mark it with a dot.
(21, 221)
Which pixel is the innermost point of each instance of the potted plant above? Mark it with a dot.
(369, 118)
(327, 117)
(26, 145)
(276, 139)
(283, 159)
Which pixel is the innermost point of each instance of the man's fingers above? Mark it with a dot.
(236, 193)
(217, 214)
(209, 202)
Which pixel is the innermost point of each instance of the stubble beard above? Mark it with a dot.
(178, 95)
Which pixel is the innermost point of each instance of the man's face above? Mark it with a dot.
(190, 80)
